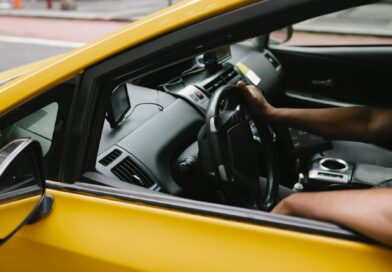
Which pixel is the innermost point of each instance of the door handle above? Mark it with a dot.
(330, 82)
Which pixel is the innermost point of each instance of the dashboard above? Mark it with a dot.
(155, 146)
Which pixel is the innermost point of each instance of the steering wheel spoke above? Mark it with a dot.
(235, 155)
(229, 119)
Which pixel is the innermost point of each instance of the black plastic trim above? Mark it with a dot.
(45, 208)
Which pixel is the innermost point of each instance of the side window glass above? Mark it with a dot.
(39, 125)
(364, 25)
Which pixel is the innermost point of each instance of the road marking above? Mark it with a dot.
(54, 43)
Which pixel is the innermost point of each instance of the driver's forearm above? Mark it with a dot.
(366, 211)
(351, 123)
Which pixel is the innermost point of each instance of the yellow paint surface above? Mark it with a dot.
(85, 233)
(13, 74)
(13, 213)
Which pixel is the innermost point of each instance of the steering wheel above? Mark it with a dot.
(235, 159)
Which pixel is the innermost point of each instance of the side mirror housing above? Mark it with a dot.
(22, 185)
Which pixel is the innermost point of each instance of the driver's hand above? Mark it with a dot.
(283, 207)
(256, 101)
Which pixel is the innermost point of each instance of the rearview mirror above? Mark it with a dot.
(22, 185)
(281, 35)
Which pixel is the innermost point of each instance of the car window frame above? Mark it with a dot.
(62, 94)
(99, 80)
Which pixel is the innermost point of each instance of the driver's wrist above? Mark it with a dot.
(288, 205)
(283, 207)
(270, 113)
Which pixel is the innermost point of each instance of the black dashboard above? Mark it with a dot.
(166, 117)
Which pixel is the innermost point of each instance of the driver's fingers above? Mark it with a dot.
(245, 89)
(241, 84)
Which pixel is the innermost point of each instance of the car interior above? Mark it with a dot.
(185, 130)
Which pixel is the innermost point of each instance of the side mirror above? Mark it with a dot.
(281, 35)
(22, 185)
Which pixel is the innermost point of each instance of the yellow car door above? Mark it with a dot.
(97, 228)
(86, 232)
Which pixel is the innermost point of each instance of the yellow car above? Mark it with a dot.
(110, 161)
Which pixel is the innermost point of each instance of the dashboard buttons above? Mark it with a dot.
(199, 95)
(194, 97)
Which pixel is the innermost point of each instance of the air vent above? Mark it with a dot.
(228, 75)
(109, 158)
(128, 171)
(220, 80)
(213, 85)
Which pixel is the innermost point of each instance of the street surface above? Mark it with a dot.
(34, 32)
(14, 54)
(24, 40)
(91, 9)
(56, 29)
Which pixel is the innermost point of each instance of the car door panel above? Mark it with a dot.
(336, 76)
(88, 233)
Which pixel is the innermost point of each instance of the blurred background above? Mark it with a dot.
(31, 30)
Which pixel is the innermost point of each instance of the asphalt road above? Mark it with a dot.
(16, 54)
(27, 39)
(24, 40)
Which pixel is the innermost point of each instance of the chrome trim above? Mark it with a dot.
(335, 160)
(329, 176)
(9, 152)
(212, 125)
(222, 172)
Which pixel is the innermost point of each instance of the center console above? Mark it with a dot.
(327, 172)
(331, 170)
